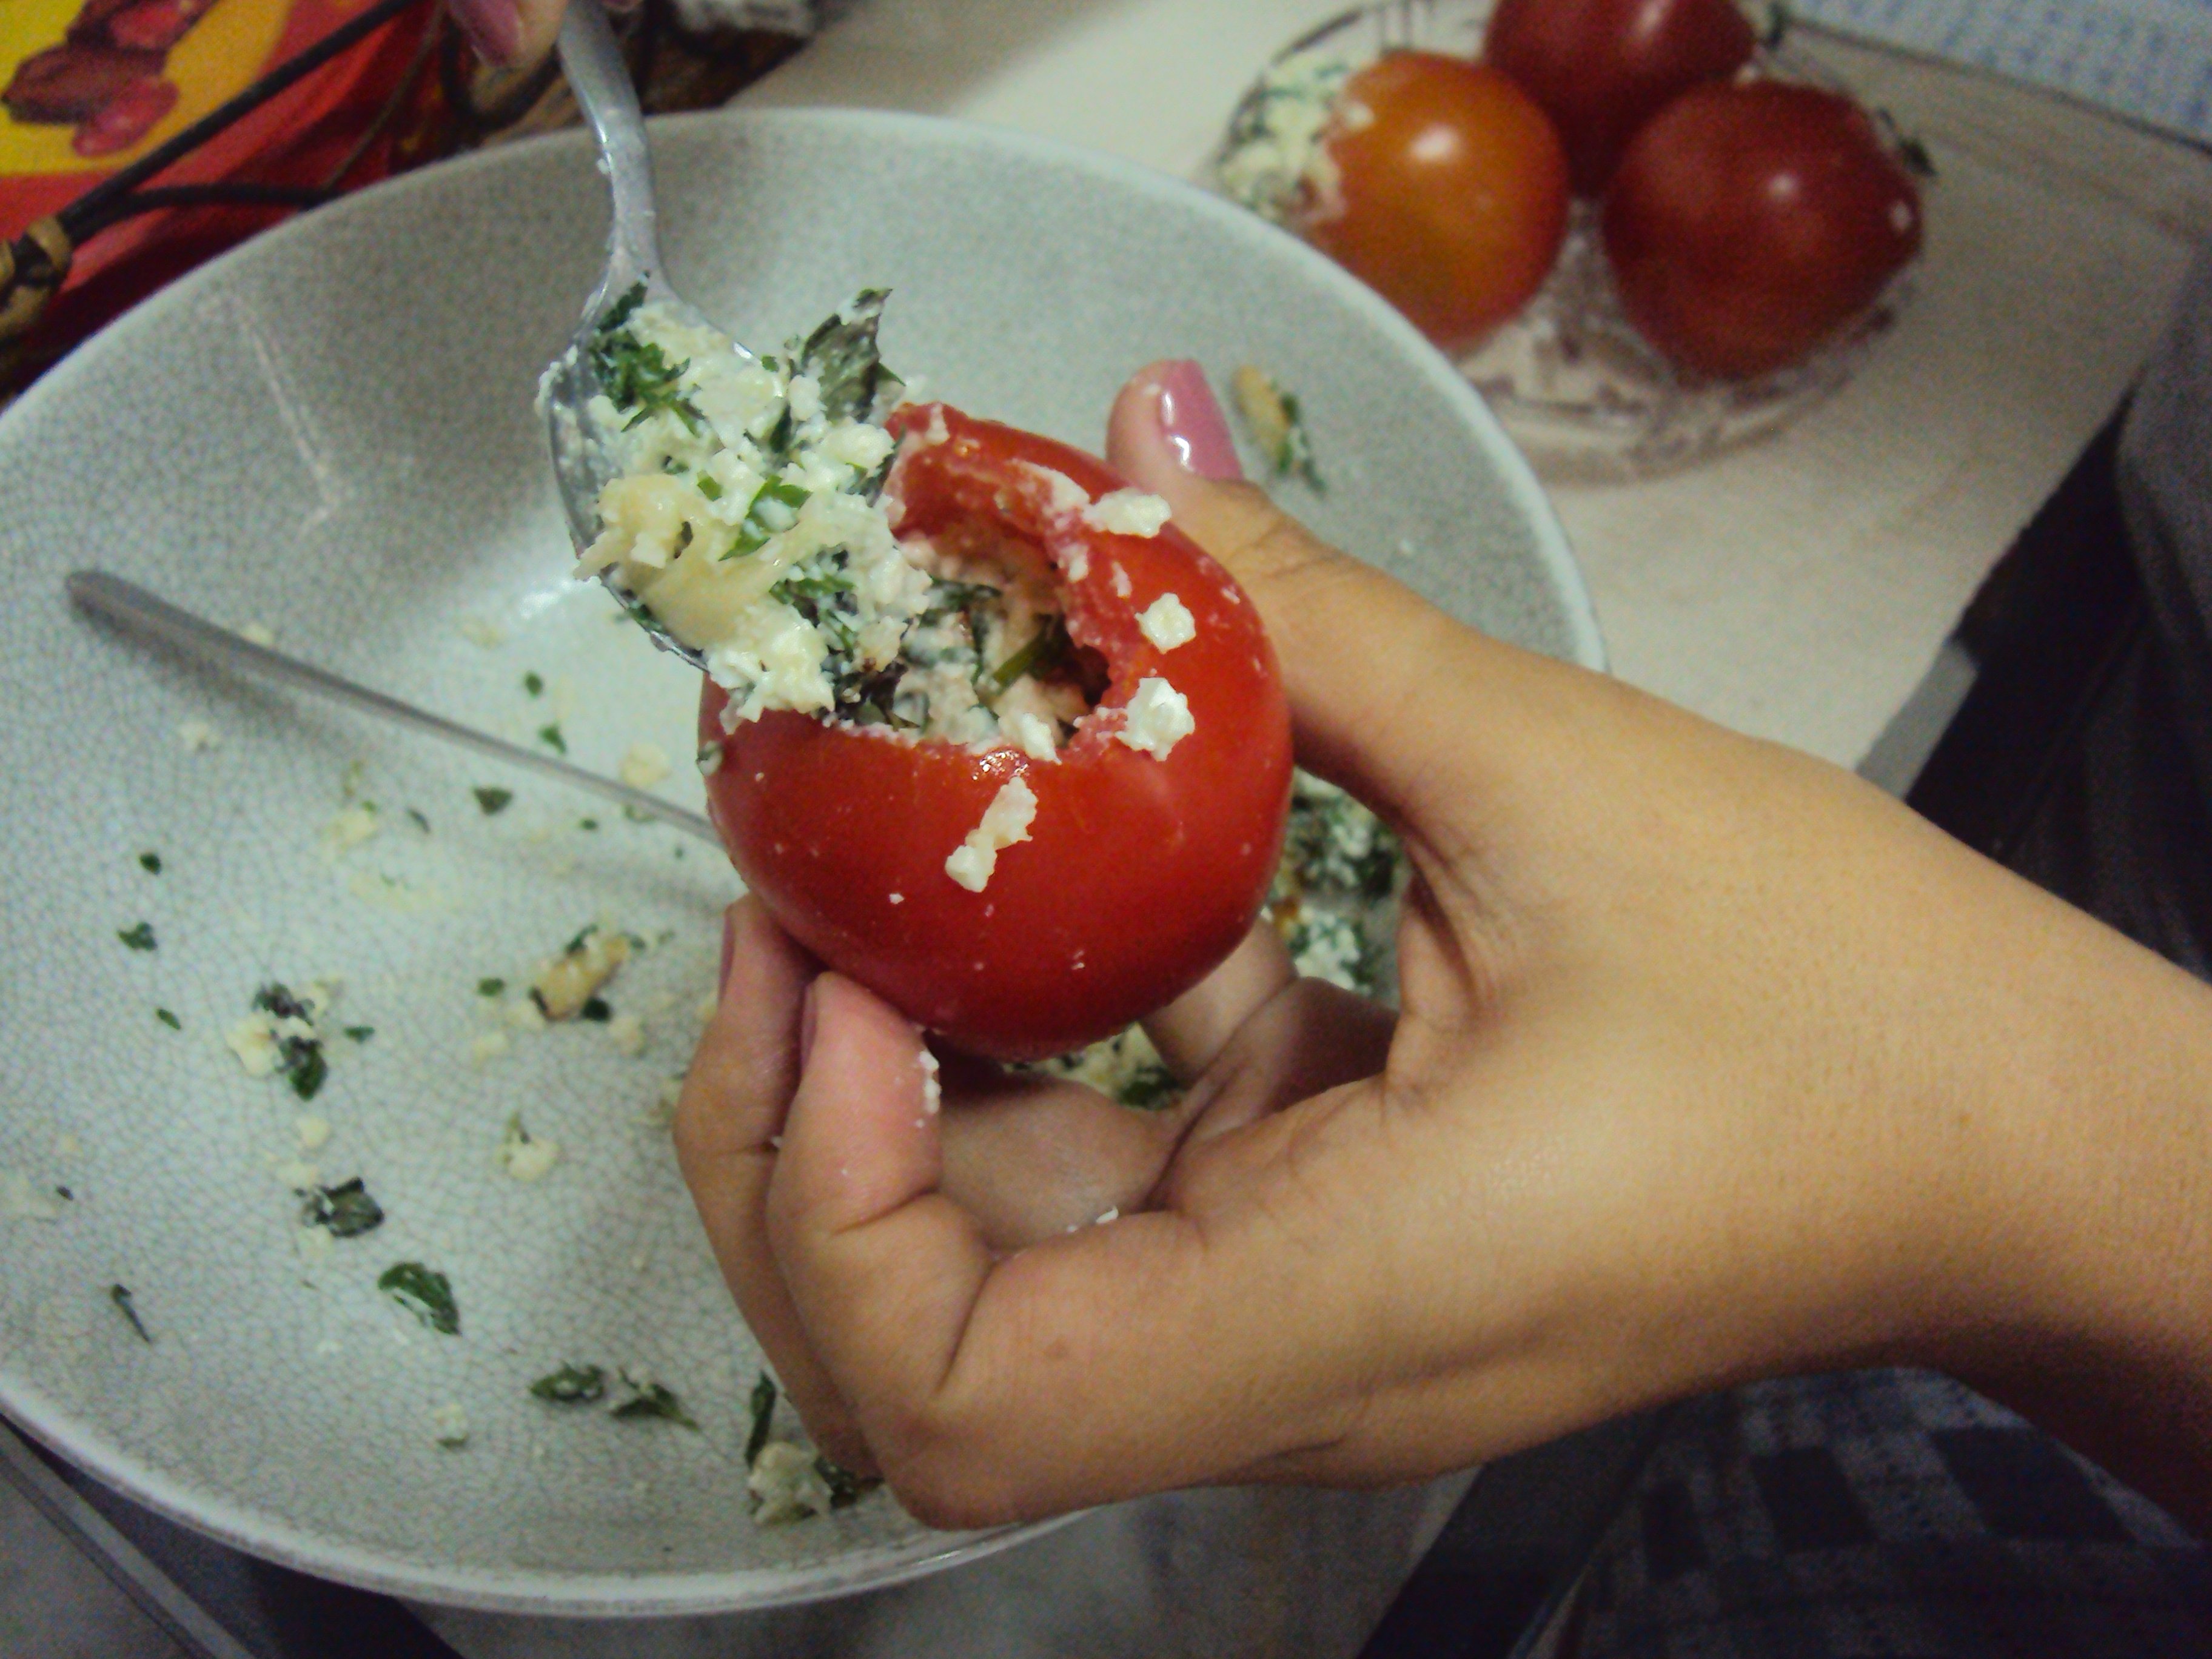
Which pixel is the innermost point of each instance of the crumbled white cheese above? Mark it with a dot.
(525, 1157)
(1127, 512)
(314, 1132)
(488, 1046)
(21, 1201)
(898, 898)
(299, 1174)
(1156, 719)
(627, 1033)
(1005, 820)
(933, 1089)
(1112, 1214)
(260, 633)
(1062, 492)
(1121, 580)
(449, 1426)
(572, 979)
(1167, 622)
(789, 1486)
(197, 735)
(643, 765)
(348, 830)
(477, 631)
(1033, 735)
(522, 1013)
(313, 1244)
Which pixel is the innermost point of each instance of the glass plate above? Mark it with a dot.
(1580, 392)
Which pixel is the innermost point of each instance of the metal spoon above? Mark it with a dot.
(597, 76)
(141, 612)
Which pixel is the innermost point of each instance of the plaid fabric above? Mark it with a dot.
(1885, 1513)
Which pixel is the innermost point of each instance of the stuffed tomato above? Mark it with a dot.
(1097, 832)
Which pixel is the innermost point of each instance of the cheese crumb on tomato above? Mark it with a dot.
(1128, 512)
(1005, 820)
(1121, 580)
(1167, 622)
(933, 1089)
(1064, 494)
(1032, 734)
(1156, 719)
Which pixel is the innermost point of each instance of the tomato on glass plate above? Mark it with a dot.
(1587, 388)
(1141, 868)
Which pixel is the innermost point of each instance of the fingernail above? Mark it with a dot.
(494, 28)
(807, 1024)
(1191, 422)
(729, 952)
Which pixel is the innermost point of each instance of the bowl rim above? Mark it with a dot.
(617, 1594)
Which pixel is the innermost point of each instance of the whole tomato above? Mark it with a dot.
(1449, 192)
(1140, 871)
(1749, 223)
(1602, 68)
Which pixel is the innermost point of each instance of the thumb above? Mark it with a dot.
(1382, 684)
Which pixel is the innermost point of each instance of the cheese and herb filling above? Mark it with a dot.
(748, 522)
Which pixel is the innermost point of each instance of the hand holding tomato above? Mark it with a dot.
(1714, 1062)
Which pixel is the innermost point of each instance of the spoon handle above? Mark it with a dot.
(141, 612)
(593, 65)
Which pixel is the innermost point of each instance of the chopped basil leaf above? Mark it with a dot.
(572, 1385)
(634, 374)
(1149, 1088)
(168, 1019)
(492, 802)
(846, 1487)
(360, 1033)
(150, 863)
(549, 735)
(120, 1295)
(416, 818)
(345, 1211)
(428, 1296)
(490, 987)
(843, 355)
(309, 1074)
(534, 684)
(764, 1413)
(587, 824)
(653, 1400)
(139, 938)
(598, 1010)
(708, 487)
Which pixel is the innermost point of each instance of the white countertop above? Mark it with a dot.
(1798, 588)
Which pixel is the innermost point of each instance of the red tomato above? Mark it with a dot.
(1451, 192)
(1602, 68)
(1141, 874)
(1750, 223)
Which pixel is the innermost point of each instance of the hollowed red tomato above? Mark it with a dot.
(1141, 871)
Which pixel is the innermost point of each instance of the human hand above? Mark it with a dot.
(1713, 1062)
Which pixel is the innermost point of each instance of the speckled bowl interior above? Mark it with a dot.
(329, 433)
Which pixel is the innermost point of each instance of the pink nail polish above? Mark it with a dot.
(1191, 422)
(729, 950)
(494, 28)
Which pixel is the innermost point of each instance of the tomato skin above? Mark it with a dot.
(1750, 223)
(1141, 874)
(1451, 198)
(1602, 68)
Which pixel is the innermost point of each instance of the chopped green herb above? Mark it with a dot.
(360, 1033)
(150, 863)
(120, 1295)
(493, 802)
(1148, 1089)
(708, 487)
(846, 1487)
(534, 684)
(1046, 650)
(65, 1194)
(168, 1019)
(572, 1385)
(415, 817)
(139, 938)
(598, 1010)
(842, 354)
(549, 735)
(299, 1058)
(637, 375)
(587, 823)
(764, 1413)
(345, 1211)
(308, 1076)
(652, 1399)
(428, 1296)
(1277, 424)
(490, 987)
